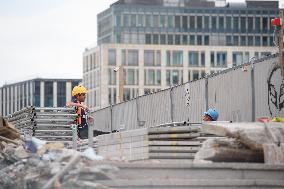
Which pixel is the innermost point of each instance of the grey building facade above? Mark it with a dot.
(36, 92)
(163, 43)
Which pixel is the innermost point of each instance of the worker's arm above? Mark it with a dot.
(77, 105)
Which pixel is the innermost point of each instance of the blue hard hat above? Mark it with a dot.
(212, 113)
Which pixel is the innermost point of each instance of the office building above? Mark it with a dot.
(162, 43)
(36, 92)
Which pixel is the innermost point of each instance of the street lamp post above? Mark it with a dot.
(120, 71)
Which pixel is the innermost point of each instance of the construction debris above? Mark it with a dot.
(263, 139)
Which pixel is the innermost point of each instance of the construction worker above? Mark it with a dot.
(79, 93)
(210, 115)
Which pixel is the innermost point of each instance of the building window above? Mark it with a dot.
(229, 40)
(131, 77)
(212, 59)
(264, 41)
(140, 22)
(170, 40)
(162, 21)
(148, 39)
(152, 77)
(199, 40)
(250, 24)
(163, 39)
(184, 40)
(199, 23)
(148, 21)
(177, 58)
(126, 20)
(61, 94)
(111, 57)
(236, 40)
(257, 40)
(228, 24)
(243, 41)
(206, 23)
(156, 21)
(237, 58)
(221, 23)
(129, 93)
(192, 39)
(192, 22)
(177, 39)
(195, 74)
(111, 77)
(150, 59)
(133, 57)
(213, 23)
(203, 59)
(257, 24)
(117, 20)
(111, 96)
(177, 21)
(236, 24)
(264, 24)
(37, 94)
(193, 59)
(250, 40)
(221, 59)
(170, 21)
(174, 77)
(133, 20)
(206, 40)
(155, 39)
(243, 25)
(184, 22)
(48, 94)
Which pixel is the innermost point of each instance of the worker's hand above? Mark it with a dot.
(91, 120)
(68, 104)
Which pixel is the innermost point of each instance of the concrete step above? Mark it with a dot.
(193, 183)
(179, 170)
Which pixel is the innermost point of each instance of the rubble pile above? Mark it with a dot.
(245, 142)
(52, 166)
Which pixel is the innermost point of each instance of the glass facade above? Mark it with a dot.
(170, 25)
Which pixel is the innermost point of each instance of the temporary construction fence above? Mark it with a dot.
(242, 93)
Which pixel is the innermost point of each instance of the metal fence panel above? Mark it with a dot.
(189, 101)
(102, 119)
(154, 109)
(124, 116)
(269, 86)
(230, 93)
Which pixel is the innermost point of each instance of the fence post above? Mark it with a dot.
(111, 128)
(75, 136)
(252, 91)
(206, 92)
(91, 135)
(172, 105)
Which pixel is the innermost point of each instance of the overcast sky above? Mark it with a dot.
(46, 38)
